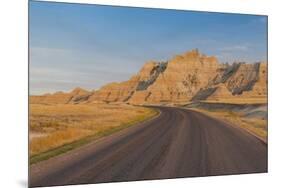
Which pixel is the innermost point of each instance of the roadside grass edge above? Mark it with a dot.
(78, 143)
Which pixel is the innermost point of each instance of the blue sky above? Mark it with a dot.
(89, 45)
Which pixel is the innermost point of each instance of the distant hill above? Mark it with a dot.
(191, 76)
(77, 95)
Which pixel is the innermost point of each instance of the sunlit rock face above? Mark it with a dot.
(236, 80)
(124, 91)
(191, 76)
(259, 88)
(78, 95)
(184, 76)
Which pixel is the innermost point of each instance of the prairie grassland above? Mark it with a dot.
(64, 127)
(254, 125)
(240, 100)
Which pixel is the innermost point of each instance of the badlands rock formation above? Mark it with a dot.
(260, 86)
(236, 80)
(77, 95)
(191, 76)
(123, 92)
(183, 77)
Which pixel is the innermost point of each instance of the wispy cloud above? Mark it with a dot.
(92, 46)
(242, 47)
(54, 69)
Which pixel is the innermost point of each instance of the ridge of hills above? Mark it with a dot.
(191, 76)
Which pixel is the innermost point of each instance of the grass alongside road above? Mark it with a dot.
(66, 127)
(254, 125)
(240, 100)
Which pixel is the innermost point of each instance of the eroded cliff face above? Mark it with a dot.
(236, 80)
(78, 95)
(259, 88)
(124, 91)
(191, 76)
(183, 77)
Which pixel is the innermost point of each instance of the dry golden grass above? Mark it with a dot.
(240, 100)
(254, 125)
(63, 124)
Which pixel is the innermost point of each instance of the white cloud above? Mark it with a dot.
(235, 48)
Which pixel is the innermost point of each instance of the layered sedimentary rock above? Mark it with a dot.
(236, 80)
(220, 92)
(122, 92)
(191, 76)
(183, 77)
(259, 89)
(77, 95)
(243, 79)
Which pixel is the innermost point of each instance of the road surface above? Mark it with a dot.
(177, 143)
